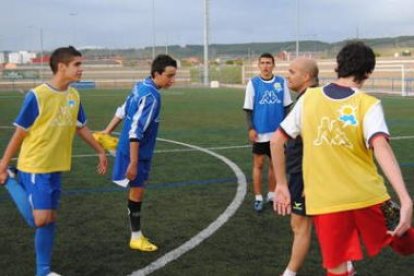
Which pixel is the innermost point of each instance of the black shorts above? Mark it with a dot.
(261, 148)
(296, 194)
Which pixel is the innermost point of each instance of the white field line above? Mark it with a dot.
(164, 151)
(192, 149)
(402, 137)
(172, 150)
(214, 148)
(213, 227)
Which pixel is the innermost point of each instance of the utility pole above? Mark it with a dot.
(206, 32)
(42, 54)
(297, 28)
(153, 29)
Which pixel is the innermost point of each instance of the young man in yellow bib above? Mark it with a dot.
(342, 129)
(50, 116)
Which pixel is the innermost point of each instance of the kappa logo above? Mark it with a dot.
(270, 97)
(297, 206)
(330, 133)
(65, 116)
(277, 86)
(71, 103)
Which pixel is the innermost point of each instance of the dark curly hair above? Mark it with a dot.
(355, 59)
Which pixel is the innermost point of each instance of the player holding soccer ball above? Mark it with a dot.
(50, 116)
(141, 113)
(342, 128)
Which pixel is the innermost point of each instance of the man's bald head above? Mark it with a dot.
(303, 73)
(309, 66)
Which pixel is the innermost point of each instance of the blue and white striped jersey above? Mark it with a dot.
(141, 112)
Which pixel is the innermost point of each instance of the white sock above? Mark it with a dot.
(270, 196)
(136, 235)
(289, 272)
(349, 266)
(259, 197)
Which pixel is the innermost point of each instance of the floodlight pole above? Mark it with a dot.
(403, 92)
(297, 28)
(206, 31)
(42, 55)
(74, 14)
(153, 29)
(166, 45)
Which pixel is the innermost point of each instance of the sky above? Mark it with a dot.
(138, 23)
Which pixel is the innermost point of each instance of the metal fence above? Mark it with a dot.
(100, 77)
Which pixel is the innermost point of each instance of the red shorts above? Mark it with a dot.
(339, 234)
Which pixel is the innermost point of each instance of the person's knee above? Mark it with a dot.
(136, 194)
(258, 162)
(43, 217)
(42, 221)
(301, 225)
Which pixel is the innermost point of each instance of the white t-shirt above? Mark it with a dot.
(373, 123)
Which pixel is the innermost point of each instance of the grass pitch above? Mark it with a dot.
(187, 191)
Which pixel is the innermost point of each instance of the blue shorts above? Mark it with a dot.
(121, 166)
(43, 189)
(296, 194)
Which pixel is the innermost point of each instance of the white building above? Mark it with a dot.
(2, 58)
(21, 57)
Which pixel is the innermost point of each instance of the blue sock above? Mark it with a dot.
(19, 196)
(43, 246)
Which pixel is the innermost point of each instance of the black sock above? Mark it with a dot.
(134, 213)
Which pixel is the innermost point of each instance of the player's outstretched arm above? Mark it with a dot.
(389, 165)
(12, 148)
(112, 125)
(86, 136)
(282, 196)
(116, 120)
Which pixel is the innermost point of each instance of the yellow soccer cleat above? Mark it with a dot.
(142, 244)
(108, 142)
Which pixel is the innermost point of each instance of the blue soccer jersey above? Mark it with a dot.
(267, 99)
(142, 110)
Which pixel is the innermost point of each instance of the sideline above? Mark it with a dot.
(213, 227)
(401, 137)
(171, 150)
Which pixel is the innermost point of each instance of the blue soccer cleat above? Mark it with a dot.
(258, 205)
(19, 197)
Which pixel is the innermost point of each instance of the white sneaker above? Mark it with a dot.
(53, 274)
(269, 198)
